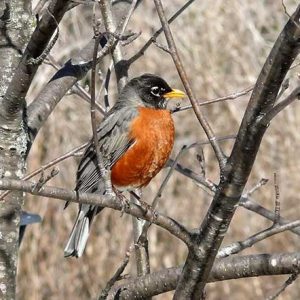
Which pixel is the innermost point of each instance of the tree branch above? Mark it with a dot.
(104, 293)
(142, 51)
(232, 96)
(240, 163)
(224, 269)
(39, 40)
(15, 31)
(288, 282)
(110, 201)
(249, 242)
(41, 108)
(105, 173)
(75, 69)
(109, 23)
(182, 73)
(274, 111)
(250, 204)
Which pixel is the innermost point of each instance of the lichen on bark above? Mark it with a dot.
(15, 29)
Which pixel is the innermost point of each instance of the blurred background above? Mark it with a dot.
(223, 45)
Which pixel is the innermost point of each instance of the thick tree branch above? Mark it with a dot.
(15, 30)
(224, 269)
(39, 40)
(240, 163)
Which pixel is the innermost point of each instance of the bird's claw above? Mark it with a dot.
(124, 202)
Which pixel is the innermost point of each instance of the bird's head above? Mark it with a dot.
(150, 91)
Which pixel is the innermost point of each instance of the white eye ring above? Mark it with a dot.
(155, 91)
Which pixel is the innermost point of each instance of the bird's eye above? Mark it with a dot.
(155, 91)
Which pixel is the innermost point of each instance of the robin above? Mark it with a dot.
(135, 140)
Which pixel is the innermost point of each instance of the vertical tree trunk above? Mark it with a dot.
(15, 29)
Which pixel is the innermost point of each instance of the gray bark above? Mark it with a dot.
(15, 25)
(233, 267)
(239, 165)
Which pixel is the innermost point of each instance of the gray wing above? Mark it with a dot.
(113, 142)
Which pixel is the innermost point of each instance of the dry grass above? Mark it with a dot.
(223, 45)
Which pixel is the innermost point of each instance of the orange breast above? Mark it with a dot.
(153, 132)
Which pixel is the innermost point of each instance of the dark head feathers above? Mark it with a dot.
(146, 90)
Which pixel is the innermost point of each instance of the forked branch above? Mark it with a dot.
(234, 178)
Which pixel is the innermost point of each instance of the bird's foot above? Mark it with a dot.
(124, 201)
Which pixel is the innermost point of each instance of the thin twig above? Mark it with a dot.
(85, 2)
(77, 88)
(285, 10)
(43, 180)
(251, 205)
(261, 183)
(182, 73)
(143, 235)
(105, 85)
(201, 159)
(285, 85)
(132, 38)
(141, 247)
(162, 47)
(199, 179)
(249, 242)
(277, 201)
(232, 96)
(288, 282)
(105, 7)
(142, 51)
(82, 93)
(168, 176)
(116, 276)
(105, 172)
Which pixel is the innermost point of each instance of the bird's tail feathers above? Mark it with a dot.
(80, 232)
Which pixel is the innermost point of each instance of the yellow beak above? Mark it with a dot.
(174, 94)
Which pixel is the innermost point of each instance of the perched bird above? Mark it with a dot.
(135, 140)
